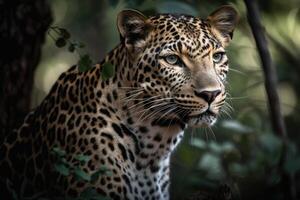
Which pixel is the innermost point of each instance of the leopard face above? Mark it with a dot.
(181, 63)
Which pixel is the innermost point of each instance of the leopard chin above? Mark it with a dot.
(202, 120)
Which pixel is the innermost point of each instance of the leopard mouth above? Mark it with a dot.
(204, 119)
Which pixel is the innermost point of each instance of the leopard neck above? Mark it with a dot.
(119, 58)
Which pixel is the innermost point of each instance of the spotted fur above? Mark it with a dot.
(131, 122)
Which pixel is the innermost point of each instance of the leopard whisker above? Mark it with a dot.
(226, 113)
(205, 131)
(151, 107)
(176, 112)
(184, 112)
(227, 105)
(133, 95)
(237, 71)
(238, 98)
(167, 112)
(146, 103)
(123, 87)
(164, 106)
(212, 132)
(192, 135)
(142, 101)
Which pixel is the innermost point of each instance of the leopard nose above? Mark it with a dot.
(208, 96)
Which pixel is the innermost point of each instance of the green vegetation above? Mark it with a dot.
(67, 169)
(61, 37)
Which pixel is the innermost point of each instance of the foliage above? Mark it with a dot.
(85, 62)
(66, 169)
(62, 36)
(108, 70)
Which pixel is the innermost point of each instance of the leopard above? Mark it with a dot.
(169, 74)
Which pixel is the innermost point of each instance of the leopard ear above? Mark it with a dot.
(223, 21)
(133, 28)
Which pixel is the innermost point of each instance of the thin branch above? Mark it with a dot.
(270, 76)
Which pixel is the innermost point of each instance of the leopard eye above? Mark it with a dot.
(172, 59)
(217, 57)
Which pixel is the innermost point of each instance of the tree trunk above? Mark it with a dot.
(287, 181)
(23, 24)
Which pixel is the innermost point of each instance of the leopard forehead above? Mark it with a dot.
(193, 31)
(188, 24)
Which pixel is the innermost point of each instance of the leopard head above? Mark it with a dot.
(179, 64)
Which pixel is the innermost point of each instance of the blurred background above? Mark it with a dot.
(240, 150)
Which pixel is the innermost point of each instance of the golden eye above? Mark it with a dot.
(172, 59)
(217, 57)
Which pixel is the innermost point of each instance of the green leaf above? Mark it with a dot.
(85, 63)
(58, 151)
(103, 170)
(270, 143)
(62, 169)
(60, 42)
(236, 126)
(95, 176)
(198, 143)
(65, 162)
(211, 164)
(82, 158)
(108, 70)
(64, 33)
(80, 45)
(82, 175)
(108, 173)
(71, 47)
